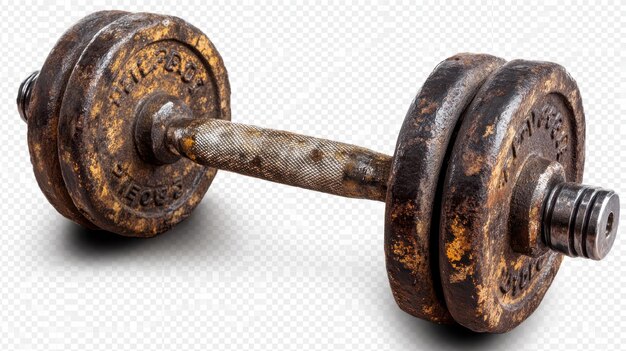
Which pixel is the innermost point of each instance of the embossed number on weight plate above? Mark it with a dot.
(515, 280)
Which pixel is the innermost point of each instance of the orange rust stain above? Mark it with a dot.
(317, 155)
(456, 250)
(187, 143)
(549, 82)
(405, 255)
(461, 273)
(488, 131)
(474, 163)
(407, 208)
(461, 245)
(428, 310)
(430, 108)
(487, 308)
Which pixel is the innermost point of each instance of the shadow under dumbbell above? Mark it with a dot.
(444, 337)
(459, 337)
(416, 331)
(87, 241)
(197, 234)
(452, 337)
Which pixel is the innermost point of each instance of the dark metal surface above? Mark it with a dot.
(284, 157)
(154, 117)
(130, 60)
(412, 212)
(481, 196)
(533, 186)
(45, 106)
(524, 109)
(581, 221)
(24, 93)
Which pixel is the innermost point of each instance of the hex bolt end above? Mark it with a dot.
(24, 93)
(581, 221)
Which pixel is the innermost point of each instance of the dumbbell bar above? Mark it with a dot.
(483, 191)
(166, 131)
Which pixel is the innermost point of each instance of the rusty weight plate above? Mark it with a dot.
(133, 59)
(45, 106)
(411, 241)
(524, 109)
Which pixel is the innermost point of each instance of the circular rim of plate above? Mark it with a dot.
(417, 171)
(45, 106)
(476, 260)
(86, 179)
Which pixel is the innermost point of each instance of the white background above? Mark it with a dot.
(266, 266)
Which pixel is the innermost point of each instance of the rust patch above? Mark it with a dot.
(460, 246)
(45, 106)
(428, 107)
(405, 254)
(411, 216)
(488, 131)
(489, 286)
(317, 155)
(475, 163)
(133, 58)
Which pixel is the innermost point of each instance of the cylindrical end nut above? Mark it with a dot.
(23, 94)
(580, 220)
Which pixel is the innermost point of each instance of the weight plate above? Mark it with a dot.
(524, 109)
(132, 59)
(45, 105)
(411, 242)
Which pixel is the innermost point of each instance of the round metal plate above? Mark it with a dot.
(45, 105)
(411, 242)
(133, 58)
(525, 108)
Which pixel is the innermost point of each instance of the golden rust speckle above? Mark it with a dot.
(488, 131)
(406, 209)
(461, 245)
(428, 310)
(405, 254)
(187, 143)
(428, 107)
(461, 273)
(474, 163)
(457, 250)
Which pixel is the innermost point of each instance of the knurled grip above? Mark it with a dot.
(283, 157)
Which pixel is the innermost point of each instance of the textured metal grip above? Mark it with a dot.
(284, 157)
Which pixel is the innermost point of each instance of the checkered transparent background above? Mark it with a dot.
(266, 266)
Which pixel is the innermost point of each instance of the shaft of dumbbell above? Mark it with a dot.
(283, 157)
(578, 220)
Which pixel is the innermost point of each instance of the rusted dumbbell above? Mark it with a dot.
(128, 122)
